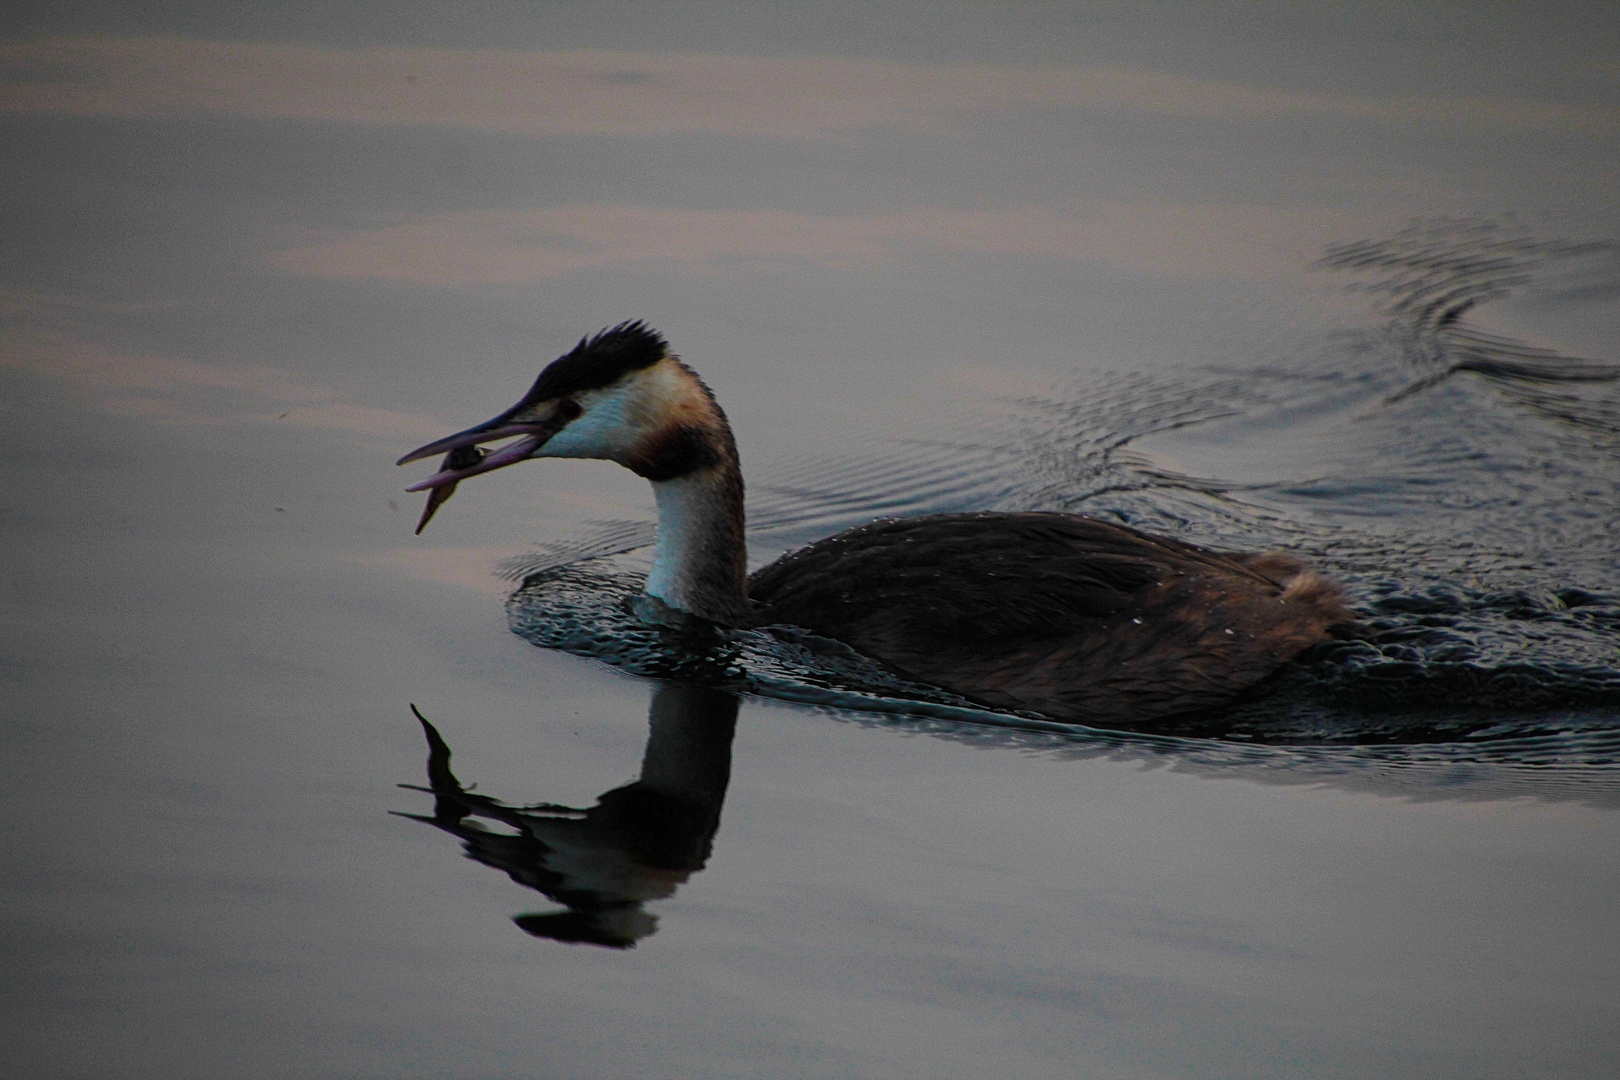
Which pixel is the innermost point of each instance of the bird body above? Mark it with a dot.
(1069, 616)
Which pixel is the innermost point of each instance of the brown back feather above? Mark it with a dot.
(1070, 616)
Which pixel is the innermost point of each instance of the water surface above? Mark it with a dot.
(1338, 284)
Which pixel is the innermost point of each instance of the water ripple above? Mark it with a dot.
(1463, 485)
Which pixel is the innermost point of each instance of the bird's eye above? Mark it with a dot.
(569, 409)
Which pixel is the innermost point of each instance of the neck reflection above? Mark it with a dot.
(637, 844)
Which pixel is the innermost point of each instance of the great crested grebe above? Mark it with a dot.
(1068, 616)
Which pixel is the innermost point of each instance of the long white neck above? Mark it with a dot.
(700, 559)
(662, 423)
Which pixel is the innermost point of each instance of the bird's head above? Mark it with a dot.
(619, 395)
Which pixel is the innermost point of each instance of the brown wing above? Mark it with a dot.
(1066, 615)
(972, 577)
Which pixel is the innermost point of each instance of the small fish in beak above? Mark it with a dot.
(462, 457)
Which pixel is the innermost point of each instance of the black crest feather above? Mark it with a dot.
(600, 360)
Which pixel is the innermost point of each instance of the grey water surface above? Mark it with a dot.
(1333, 281)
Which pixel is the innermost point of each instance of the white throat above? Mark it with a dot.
(693, 535)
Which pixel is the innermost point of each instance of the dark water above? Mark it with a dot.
(1461, 482)
(1331, 280)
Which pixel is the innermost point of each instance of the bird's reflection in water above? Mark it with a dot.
(638, 843)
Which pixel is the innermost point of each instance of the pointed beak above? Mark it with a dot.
(531, 435)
